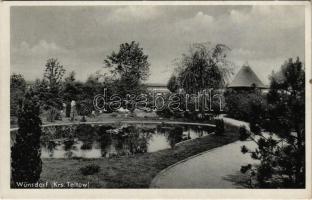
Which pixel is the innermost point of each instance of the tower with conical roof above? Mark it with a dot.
(246, 79)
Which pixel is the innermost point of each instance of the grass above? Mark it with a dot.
(135, 171)
(90, 169)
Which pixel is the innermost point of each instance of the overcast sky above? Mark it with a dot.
(82, 37)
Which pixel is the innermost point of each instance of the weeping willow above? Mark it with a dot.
(203, 66)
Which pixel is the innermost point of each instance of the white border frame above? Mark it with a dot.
(6, 192)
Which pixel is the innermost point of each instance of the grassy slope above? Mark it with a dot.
(135, 171)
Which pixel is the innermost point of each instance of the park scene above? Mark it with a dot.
(157, 97)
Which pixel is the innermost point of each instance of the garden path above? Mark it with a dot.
(216, 168)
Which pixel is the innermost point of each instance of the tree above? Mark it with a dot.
(173, 84)
(72, 89)
(203, 67)
(282, 153)
(17, 91)
(25, 153)
(92, 87)
(50, 87)
(130, 66)
(239, 103)
(130, 61)
(40, 88)
(54, 73)
(53, 76)
(71, 77)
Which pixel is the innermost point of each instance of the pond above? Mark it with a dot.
(95, 141)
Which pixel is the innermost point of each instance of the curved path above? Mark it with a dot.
(216, 168)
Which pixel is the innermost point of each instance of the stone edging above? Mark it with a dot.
(185, 141)
(127, 121)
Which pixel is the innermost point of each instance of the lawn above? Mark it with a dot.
(135, 171)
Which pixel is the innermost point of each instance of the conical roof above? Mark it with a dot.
(246, 77)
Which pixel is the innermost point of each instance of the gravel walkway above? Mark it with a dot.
(216, 168)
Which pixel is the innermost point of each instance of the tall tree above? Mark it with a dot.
(282, 153)
(53, 77)
(26, 163)
(54, 73)
(72, 89)
(50, 87)
(204, 67)
(17, 91)
(130, 66)
(130, 61)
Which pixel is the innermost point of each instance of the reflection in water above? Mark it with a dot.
(157, 142)
(60, 151)
(87, 141)
(175, 136)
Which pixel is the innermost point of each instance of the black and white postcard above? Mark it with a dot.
(155, 96)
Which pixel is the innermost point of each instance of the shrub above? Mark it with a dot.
(90, 169)
(51, 115)
(86, 146)
(83, 119)
(255, 128)
(68, 144)
(114, 115)
(243, 133)
(241, 104)
(219, 126)
(166, 113)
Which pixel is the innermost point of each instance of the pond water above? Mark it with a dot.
(95, 141)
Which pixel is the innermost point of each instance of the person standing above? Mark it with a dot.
(73, 110)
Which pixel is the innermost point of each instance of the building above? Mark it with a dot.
(158, 88)
(246, 79)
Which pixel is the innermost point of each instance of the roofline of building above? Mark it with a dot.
(156, 85)
(261, 87)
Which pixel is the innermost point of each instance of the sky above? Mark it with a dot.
(81, 37)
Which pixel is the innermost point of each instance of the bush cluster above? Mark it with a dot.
(90, 169)
(219, 126)
(242, 104)
(243, 133)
